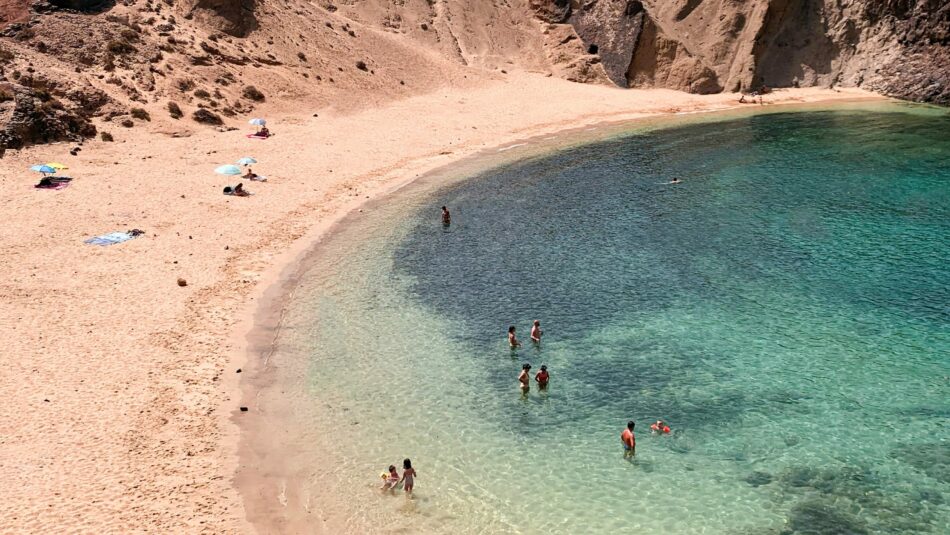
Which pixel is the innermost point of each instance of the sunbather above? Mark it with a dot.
(53, 182)
(236, 190)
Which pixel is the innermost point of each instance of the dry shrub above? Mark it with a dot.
(175, 110)
(140, 114)
(252, 93)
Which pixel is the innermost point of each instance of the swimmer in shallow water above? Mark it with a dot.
(446, 217)
(629, 441)
(542, 377)
(408, 475)
(524, 378)
(674, 181)
(512, 340)
(536, 332)
(391, 479)
(659, 427)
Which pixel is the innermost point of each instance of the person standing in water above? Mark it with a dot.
(446, 217)
(629, 441)
(536, 332)
(524, 378)
(512, 341)
(542, 377)
(408, 474)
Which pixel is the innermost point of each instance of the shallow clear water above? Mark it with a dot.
(786, 308)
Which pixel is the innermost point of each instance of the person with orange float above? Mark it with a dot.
(659, 427)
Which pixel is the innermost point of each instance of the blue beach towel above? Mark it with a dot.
(110, 239)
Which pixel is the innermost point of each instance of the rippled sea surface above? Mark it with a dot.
(786, 308)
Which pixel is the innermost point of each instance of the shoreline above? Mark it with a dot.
(262, 320)
(126, 379)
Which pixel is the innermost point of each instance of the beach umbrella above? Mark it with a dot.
(246, 161)
(45, 169)
(257, 122)
(57, 166)
(228, 170)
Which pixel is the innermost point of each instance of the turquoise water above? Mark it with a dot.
(786, 308)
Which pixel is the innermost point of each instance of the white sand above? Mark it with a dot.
(118, 385)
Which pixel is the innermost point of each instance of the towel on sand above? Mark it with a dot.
(256, 136)
(53, 182)
(111, 238)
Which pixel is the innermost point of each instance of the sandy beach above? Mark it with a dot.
(120, 386)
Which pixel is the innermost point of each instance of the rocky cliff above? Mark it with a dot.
(215, 59)
(897, 47)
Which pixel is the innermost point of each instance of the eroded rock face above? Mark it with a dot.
(554, 11)
(898, 47)
(85, 6)
(661, 61)
(34, 116)
(610, 30)
(233, 17)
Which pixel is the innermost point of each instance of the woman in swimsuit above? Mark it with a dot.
(542, 377)
(512, 341)
(408, 473)
(524, 379)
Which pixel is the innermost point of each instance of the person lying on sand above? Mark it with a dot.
(238, 190)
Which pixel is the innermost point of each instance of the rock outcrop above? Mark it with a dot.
(201, 53)
(233, 17)
(898, 47)
(31, 114)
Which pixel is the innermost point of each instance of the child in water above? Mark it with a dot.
(408, 474)
(391, 479)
